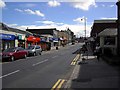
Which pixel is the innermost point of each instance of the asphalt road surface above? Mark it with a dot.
(43, 71)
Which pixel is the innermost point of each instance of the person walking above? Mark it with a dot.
(97, 52)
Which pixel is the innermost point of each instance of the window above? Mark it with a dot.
(37, 47)
(109, 40)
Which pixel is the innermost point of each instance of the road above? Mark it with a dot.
(43, 71)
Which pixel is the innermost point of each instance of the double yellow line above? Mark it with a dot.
(75, 60)
(58, 84)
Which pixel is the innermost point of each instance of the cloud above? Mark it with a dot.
(76, 28)
(12, 25)
(80, 19)
(112, 5)
(18, 10)
(28, 11)
(46, 22)
(53, 3)
(84, 5)
(2, 4)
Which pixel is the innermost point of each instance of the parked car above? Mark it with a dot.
(34, 50)
(14, 53)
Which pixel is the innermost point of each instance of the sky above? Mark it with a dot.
(56, 14)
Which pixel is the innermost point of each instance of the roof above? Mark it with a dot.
(100, 25)
(108, 32)
(5, 27)
(105, 21)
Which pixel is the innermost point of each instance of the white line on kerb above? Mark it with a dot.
(40, 62)
(9, 74)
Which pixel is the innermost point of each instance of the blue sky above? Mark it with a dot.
(57, 14)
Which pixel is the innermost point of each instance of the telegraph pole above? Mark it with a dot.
(118, 28)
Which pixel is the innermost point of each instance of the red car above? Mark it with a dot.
(14, 53)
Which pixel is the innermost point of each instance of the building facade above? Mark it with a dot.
(11, 37)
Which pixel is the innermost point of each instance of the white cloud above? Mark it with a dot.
(79, 30)
(12, 25)
(28, 11)
(36, 12)
(80, 19)
(2, 4)
(46, 22)
(112, 5)
(103, 5)
(53, 3)
(85, 5)
(18, 10)
(49, 23)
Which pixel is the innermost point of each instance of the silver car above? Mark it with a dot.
(34, 50)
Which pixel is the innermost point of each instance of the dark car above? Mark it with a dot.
(34, 50)
(14, 53)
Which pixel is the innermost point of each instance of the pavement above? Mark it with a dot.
(91, 73)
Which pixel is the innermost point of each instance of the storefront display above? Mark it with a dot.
(8, 41)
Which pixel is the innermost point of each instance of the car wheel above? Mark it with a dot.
(25, 56)
(34, 54)
(12, 58)
(40, 53)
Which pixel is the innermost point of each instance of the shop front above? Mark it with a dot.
(8, 41)
(21, 41)
(31, 40)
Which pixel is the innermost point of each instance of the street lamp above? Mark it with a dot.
(85, 24)
(85, 27)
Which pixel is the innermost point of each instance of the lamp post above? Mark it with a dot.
(118, 28)
(85, 23)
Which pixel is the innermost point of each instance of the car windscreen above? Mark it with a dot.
(9, 50)
(30, 47)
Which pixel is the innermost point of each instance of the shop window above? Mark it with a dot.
(109, 40)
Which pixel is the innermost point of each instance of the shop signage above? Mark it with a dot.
(7, 37)
(20, 37)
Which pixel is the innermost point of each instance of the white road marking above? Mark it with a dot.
(54, 56)
(9, 74)
(40, 62)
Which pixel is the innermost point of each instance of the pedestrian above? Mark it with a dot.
(98, 52)
(84, 48)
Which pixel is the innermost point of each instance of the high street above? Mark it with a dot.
(43, 71)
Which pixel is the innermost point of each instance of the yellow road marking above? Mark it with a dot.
(75, 59)
(58, 84)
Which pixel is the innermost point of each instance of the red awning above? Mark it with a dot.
(33, 39)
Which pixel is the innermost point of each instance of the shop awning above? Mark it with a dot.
(33, 39)
(108, 32)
